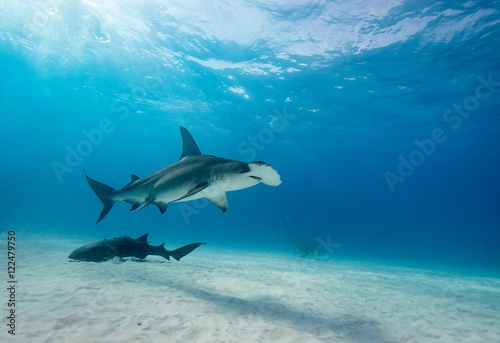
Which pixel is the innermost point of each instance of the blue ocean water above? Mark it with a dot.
(382, 118)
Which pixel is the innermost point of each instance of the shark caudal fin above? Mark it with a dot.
(181, 252)
(104, 193)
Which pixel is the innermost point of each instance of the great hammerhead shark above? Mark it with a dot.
(127, 247)
(194, 176)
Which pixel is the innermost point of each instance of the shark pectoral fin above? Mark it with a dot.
(220, 200)
(161, 205)
(195, 190)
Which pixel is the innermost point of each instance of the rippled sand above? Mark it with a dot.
(230, 296)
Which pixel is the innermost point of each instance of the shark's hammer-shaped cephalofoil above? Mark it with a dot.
(194, 176)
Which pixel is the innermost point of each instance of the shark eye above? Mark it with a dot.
(260, 163)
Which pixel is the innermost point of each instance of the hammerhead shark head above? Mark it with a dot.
(194, 176)
(127, 247)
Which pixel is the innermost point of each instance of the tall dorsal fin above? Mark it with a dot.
(143, 238)
(189, 147)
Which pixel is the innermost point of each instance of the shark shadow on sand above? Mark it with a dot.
(274, 311)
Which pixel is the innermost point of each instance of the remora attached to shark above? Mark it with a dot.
(127, 247)
(194, 176)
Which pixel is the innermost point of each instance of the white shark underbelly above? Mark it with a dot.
(219, 188)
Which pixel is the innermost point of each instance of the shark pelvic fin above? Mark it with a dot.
(220, 200)
(189, 147)
(134, 205)
(104, 193)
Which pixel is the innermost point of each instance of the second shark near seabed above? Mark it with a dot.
(194, 176)
(121, 247)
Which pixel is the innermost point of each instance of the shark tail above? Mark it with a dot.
(183, 251)
(105, 195)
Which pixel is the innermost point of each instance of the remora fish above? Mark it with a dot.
(194, 176)
(127, 247)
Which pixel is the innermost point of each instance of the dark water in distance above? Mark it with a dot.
(382, 119)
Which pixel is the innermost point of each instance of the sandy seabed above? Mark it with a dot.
(230, 296)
